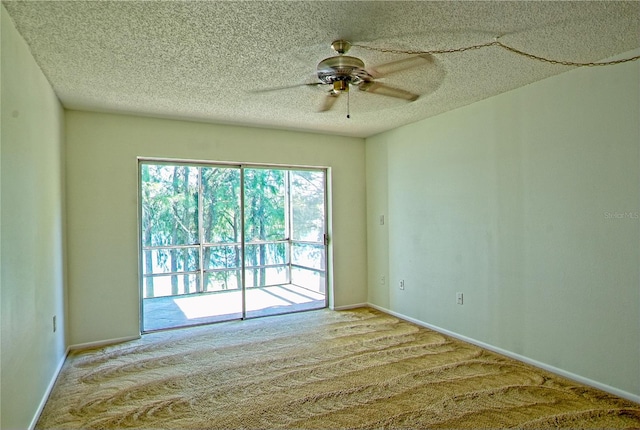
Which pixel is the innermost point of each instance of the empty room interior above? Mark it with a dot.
(470, 169)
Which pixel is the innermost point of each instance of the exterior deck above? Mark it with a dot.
(193, 309)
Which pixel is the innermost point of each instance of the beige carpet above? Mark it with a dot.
(320, 369)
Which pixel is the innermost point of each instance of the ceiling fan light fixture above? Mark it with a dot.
(340, 86)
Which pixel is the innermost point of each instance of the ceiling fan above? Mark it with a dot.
(341, 72)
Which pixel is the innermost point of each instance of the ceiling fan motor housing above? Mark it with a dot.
(342, 68)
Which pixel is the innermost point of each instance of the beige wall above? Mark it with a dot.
(102, 205)
(527, 203)
(32, 202)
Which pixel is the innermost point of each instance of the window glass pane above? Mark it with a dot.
(223, 280)
(264, 204)
(169, 196)
(264, 254)
(309, 279)
(170, 260)
(222, 257)
(307, 198)
(170, 285)
(308, 255)
(221, 221)
(266, 276)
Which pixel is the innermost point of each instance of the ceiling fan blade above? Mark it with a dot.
(386, 90)
(286, 87)
(392, 67)
(329, 101)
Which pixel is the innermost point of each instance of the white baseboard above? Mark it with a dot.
(56, 373)
(47, 392)
(102, 343)
(552, 369)
(347, 307)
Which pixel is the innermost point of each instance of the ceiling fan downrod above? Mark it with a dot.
(341, 46)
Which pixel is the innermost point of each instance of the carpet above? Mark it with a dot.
(321, 369)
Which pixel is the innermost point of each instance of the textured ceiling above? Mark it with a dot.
(204, 60)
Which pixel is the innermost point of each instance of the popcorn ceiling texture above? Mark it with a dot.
(203, 60)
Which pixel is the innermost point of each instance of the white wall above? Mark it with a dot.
(102, 205)
(528, 203)
(32, 202)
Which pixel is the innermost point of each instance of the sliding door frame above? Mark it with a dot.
(288, 222)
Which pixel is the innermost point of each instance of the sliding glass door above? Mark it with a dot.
(222, 242)
(221, 253)
(284, 240)
(309, 239)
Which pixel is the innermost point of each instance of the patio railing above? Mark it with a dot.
(172, 270)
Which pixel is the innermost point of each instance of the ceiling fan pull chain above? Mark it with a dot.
(348, 99)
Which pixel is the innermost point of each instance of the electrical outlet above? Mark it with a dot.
(382, 280)
(402, 284)
(459, 298)
(55, 325)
